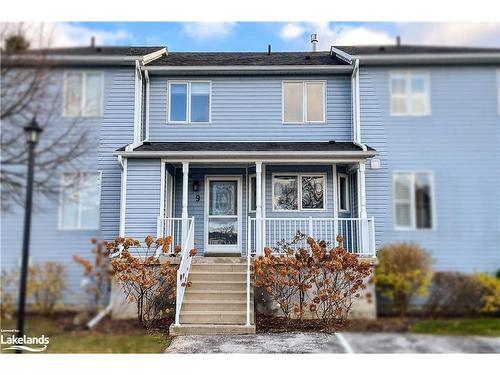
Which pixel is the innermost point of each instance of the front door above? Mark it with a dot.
(223, 214)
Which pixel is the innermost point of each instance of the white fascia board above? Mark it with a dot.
(245, 154)
(456, 58)
(341, 54)
(250, 68)
(150, 57)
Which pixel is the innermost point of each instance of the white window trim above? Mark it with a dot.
(407, 95)
(188, 106)
(84, 94)
(413, 221)
(348, 192)
(61, 193)
(299, 193)
(250, 192)
(304, 102)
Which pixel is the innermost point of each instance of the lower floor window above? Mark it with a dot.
(299, 192)
(80, 195)
(413, 200)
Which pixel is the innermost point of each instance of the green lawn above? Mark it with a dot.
(80, 341)
(465, 327)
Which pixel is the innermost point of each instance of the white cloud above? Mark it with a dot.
(208, 30)
(458, 34)
(333, 34)
(62, 34)
(292, 31)
(450, 34)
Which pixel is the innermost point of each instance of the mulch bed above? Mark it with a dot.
(270, 323)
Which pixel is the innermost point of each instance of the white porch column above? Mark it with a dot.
(258, 208)
(185, 179)
(362, 207)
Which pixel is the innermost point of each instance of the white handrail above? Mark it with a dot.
(183, 270)
(358, 233)
(248, 274)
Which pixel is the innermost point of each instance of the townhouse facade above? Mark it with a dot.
(233, 152)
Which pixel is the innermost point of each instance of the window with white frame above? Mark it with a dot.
(189, 102)
(83, 94)
(80, 195)
(303, 101)
(413, 200)
(409, 93)
(343, 192)
(252, 193)
(299, 192)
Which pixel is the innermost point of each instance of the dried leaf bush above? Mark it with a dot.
(46, 283)
(490, 299)
(97, 274)
(319, 280)
(149, 283)
(403, 272)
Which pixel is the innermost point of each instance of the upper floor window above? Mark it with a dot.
(83, 94)
(413, 200)
(303, 101)
(189, 102)
(80, 195)
(409, 93)
(299, 192)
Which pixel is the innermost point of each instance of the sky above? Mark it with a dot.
(255, 36)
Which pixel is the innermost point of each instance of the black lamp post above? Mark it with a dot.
(32, 131)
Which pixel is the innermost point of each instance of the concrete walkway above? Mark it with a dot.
(298, 342)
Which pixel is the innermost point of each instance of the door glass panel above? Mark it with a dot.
(223, 231)
(223, 198)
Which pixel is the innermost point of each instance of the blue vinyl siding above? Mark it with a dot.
(143, 197)
(249, 109)
(460, 143)
(48, 243)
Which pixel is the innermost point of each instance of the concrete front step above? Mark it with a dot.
(219, 267)
(214, 317)
(217, 295)
(211, 329)
(218, 285)
(214, 305)
(196, 275)
(219, 260)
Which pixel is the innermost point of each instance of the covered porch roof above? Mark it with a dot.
(244, 150)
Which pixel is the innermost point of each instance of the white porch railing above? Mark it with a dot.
(277, 233)
(172, 226)
(184, 267)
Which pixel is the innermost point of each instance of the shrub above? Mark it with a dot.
(490, 299)
(403, 273)
(96, 276)
(146, 281)
(46, 283)
(8, 286)
(326, 281)
(454, 294)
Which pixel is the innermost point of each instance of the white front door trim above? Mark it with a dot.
(223, 248)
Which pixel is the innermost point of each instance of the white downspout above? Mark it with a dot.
(356, 113)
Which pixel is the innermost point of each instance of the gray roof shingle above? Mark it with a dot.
(248, 146)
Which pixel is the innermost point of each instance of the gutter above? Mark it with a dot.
(249, 69)
(424, 58)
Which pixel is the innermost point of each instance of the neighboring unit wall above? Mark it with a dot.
(460, 143)
(249, 109)
(48, 242)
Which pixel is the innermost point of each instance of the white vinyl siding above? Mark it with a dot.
(83, 94)
(303, 102)
(79, 201)
(413, 200)
(409, 93)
